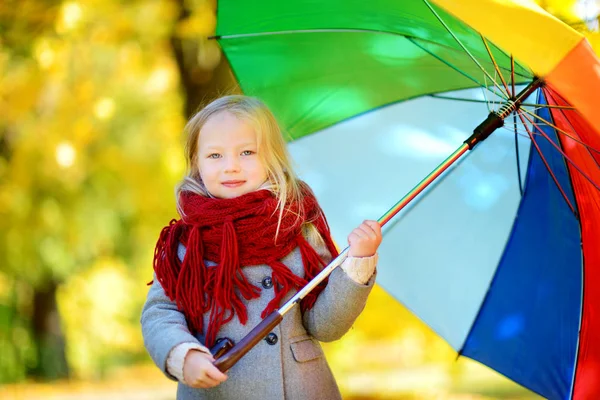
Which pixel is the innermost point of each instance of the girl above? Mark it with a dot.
(250, 235)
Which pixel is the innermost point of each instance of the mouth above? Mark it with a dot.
(232, 184)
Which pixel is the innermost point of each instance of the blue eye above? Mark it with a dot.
(214, 155)
(247, 152)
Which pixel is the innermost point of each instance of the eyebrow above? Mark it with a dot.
(214, 147)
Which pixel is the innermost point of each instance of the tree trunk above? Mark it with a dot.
(199, 85)
(48, 336)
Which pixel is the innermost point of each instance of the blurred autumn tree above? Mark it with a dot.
(93, 97)
(581, 15)
(90, 149)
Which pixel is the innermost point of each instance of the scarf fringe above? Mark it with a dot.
(226, 302)
(191, 279)
(313, 264)
(283, 281)
(166, 263)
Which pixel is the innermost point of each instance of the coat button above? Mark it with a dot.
(271, 338)
(267, 282)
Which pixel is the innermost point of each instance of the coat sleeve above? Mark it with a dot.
(163, 327)
(337, 306)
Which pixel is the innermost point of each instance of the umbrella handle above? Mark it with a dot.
(222, 346)
(226, 361)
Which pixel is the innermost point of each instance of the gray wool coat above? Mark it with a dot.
(291, 365)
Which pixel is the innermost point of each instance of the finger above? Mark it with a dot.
(368, 234)
(206, 382)
(360, 233)
(215, 374)
(374, 230)
(374, 225)
(368, 230)
(353, 237)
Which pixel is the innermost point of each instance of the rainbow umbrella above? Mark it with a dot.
(494, 240)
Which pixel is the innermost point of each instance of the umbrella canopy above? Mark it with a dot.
(498, 256)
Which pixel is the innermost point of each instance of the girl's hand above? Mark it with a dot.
(365, 239)
(199, 371)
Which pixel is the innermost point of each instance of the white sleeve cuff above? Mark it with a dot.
(176, 358)
(360, 269)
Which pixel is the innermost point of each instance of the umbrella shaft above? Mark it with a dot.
(382, 221)
(485, 129)
(494, 121)
(440, 169)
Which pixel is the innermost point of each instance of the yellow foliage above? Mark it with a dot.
(96, 307)
(4, 288)
(70, 16)
(201, 23)
(594, 39)
(564, 9)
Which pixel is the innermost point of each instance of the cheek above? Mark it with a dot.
(205, 170)
(259, 168)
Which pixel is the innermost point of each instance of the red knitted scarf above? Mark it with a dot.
(235, 233)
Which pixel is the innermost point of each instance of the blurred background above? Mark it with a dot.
(93, 98)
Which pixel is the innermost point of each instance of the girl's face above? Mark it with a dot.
(227, 157)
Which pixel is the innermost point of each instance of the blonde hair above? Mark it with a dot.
(282, 180)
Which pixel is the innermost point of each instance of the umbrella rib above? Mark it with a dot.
(452, 66)
(494, 102)
(308, 112)
(512, 130)
(574, 130)
(524, 134)
(517, 133)
(337, 30)
(521, 116)
(512, 63)
(437, 96)
(485, 96)
(517, 153)
(294, 31)
(537, 106)
(495, 64)
(512, 69)
(562, 152)
(562, 131)
(461, 44)
(512, 77)
(558, 130)
(512, 66)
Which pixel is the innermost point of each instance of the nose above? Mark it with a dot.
(232, 164)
